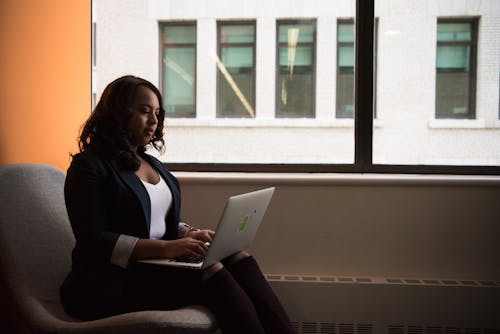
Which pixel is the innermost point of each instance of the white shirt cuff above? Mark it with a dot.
(123, 250)
(181, 229)
(183, 225)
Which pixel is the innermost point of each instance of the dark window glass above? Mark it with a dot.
(296, 69)
(179, 69)
(455, 69)
(345, 69)
(236, 75)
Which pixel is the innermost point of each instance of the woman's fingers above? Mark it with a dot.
(203, 235)
(198, 247)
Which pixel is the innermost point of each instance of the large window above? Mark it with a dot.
(455, 69)
(328, 86)
(428, 119)
(295, 80)
(236, 64)
(179, 69)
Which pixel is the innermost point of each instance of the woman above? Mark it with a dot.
(124, 206)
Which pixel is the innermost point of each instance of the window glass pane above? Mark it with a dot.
(454, 97)
(179, 70)
(232, 104)
(236, 91)
(345, 70)
(453, 58)
(449, 32)
(179, 34)
(179, 80)
(292, 102)
(435, 96)
(295, 86)
(452, 91)
(237, 34)
(345, 94)
(437, 78)
(237, 57)
(346, 32)
(346, 56)
(297, 56)
(238, 78)
(296, 33)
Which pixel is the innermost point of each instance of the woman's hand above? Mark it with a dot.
(203, 235)
(185, 247)
(154, 249)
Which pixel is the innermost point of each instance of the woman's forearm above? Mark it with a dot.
(152, 248)
(149, 249)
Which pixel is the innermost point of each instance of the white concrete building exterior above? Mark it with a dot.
(407, 131)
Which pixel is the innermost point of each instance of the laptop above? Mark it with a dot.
(235, 231)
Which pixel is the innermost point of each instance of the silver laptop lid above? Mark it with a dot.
(238, 224)
(235, 231)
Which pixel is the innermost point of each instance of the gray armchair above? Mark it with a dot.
(35, 246)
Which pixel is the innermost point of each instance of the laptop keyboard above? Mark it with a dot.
(189, 259)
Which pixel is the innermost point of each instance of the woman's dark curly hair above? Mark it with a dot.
(104, 131)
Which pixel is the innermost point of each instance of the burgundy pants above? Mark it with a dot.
(238, 295)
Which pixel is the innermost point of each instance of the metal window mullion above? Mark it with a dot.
(363, 85)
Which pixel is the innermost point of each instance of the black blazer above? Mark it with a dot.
(105, 200)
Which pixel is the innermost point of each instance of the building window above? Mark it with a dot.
(345, 69)
(236, 74)
(295, 69)
(456, 69)
(178, 75)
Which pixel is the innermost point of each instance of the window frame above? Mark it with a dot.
(93, 39)
(472, 77)
(284, 115)
(252, 23)
(363, 124)
(163, 45)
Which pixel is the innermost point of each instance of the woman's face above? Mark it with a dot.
(141, 126)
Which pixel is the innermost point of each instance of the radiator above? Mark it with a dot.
(391, 305)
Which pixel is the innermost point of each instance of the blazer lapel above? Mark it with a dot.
(167, 177)
(135, 184)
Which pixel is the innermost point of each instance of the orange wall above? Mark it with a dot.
(45, 88)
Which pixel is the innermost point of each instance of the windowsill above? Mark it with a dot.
(316, 123)
(457, 124)
(264, 123)
(258, 123)
(326, 179)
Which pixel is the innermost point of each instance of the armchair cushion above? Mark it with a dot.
(35, 251)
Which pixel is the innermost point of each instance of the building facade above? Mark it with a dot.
(263, 81)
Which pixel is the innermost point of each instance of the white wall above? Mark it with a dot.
(369, 253)
(369, 225)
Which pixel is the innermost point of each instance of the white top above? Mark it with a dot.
(160, 198)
